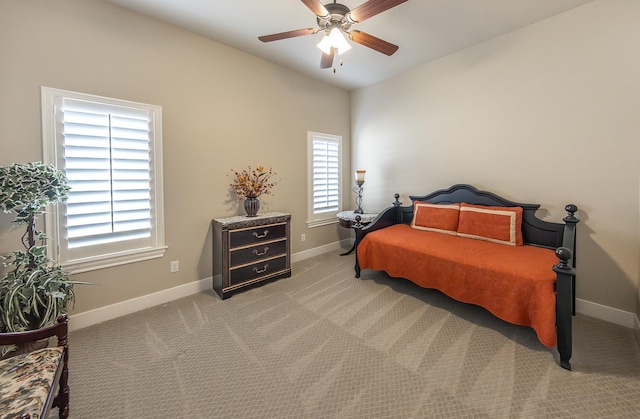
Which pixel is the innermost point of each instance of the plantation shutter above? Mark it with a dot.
(326, 184)
(107, 162)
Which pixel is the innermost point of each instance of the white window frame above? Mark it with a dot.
(110, 254)
(316, 219)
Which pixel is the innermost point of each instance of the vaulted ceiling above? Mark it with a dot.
(423, 29)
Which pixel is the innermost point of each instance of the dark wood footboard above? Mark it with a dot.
(560, 237)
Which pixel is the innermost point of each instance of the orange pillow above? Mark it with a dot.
(442, 218)
(495, 224)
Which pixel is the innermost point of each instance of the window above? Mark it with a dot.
(111, 153)
(325, 155)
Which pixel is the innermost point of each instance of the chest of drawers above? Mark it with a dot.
(248, 250)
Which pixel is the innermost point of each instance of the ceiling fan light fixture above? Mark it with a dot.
(335, 39)
(325, 44)
(338, 41)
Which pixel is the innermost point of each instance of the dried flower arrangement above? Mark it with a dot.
(252, 183)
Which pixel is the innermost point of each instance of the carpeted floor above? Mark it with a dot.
(325, 344)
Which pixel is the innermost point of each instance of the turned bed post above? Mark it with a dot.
(357, 227)
(569, 240)
(396, 204)
(564, 307)
(566, 286)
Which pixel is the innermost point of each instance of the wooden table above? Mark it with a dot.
(347, 219)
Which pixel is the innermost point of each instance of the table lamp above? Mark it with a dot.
(358, 190)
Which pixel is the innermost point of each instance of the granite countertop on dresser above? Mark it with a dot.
(258, 219)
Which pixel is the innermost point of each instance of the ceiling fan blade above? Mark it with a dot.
(316, 7)
(327, 59)
(289, 34)
(372, 42)
(372, 8)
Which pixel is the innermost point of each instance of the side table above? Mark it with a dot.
(347, 219)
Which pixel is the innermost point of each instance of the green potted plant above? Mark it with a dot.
(34, 290)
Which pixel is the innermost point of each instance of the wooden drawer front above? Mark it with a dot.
(257, 270)
(261, 251)
(256, 235)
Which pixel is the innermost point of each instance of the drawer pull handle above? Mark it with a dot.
(264, 252)
(259, 271)
(260, 236)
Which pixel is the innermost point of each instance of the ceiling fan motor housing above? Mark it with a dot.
(338, 16)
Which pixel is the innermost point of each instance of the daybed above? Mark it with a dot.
(482, 249)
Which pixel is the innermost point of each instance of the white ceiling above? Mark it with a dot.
(423, 29)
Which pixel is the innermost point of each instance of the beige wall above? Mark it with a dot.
(222, 109)
(547, 114)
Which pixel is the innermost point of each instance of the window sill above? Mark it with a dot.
(108, 261)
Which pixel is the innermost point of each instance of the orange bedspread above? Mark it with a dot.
(515, 283)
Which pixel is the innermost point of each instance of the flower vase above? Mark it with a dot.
(251, 206)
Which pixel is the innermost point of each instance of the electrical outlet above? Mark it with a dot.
(175, 266)
(303, 237)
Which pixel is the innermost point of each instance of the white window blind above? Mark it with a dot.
(325, 164)
(326, 175)
(109, 151)
(106, 155)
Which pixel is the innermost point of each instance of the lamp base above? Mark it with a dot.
(358, 191)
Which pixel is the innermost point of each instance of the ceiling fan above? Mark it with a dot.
(335, 20)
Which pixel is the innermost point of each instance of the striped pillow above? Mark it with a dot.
(441, 218)
(495, 224)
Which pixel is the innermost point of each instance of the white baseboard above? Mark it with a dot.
(331, 247)
(606, 313)
(99, 315)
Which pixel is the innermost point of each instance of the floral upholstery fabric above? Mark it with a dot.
(25, 382)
